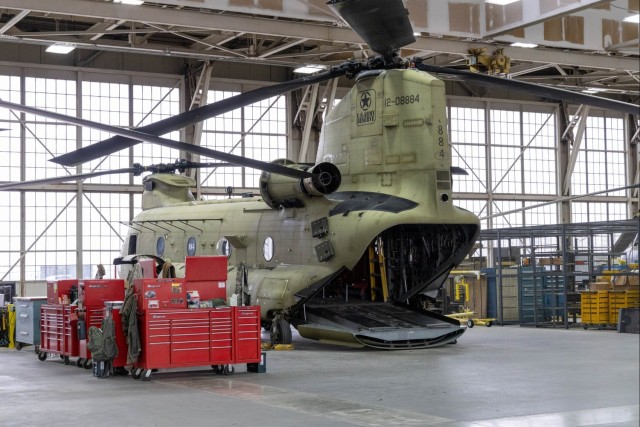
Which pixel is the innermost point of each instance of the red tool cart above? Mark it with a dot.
(174, 336)
(59, 332)
(207, 275)
(92, 295)
(59, 321)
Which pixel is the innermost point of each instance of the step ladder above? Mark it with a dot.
(378, 271)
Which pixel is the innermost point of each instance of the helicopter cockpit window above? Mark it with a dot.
(160, 246)
(223, 247)
(191, 246)
(267, 248)
(133, 244)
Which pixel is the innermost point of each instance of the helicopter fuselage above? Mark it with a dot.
(388, 138)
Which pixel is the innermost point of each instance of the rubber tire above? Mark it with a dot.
(136, 373)
(79, 362)
(217, 369)
(489, 323)
(228, 369)
(88, 364)
(19, 345)
(42, 356)
(470, 323)
(146, 375)
(66, 359)
(281, 332)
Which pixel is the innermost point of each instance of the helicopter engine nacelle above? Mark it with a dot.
(281, 191)
(163, 189)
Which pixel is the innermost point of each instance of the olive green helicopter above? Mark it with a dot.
(345, 250)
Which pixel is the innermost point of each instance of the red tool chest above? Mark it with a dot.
(173, 338)
(61, 291)
(160, 293)
(246, 341)
(207, 275)
(92, 294)
(58, 331)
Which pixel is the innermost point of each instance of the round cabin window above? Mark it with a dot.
(160, 246)
(223, 247)
(191, 246)
(267, 248)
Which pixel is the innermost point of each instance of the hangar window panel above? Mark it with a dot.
(505, 127)
(256, 131)
(539, 129)
(152, 104)
(101, 221)
(542, 215)
(467, 125)
(10, 147)
(46, 138)
(506, 173)
(44, 141)
(222, 176)
(50, 94)
(266, 148)
(539, 171)
(601, 162)
(598, 211)
(507, 220)
(106, 103)
(469, 151)
(50, 232)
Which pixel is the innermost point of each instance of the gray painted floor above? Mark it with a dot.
(498, 376)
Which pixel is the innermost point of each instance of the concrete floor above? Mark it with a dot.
(498, 376)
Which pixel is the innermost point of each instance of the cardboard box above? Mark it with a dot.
(599, 286)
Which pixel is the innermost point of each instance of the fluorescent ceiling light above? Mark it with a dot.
(593, 90)
(520, 44)
(62, 48)
(501, 2)
(308, 69)
(417, 34)
(134, 2)
(633, 18)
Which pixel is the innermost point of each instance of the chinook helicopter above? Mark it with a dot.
(343, 250)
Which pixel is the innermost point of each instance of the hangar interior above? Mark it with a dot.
(530, 161)
(554, 183)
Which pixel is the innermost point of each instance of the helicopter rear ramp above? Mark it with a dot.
(378, 325)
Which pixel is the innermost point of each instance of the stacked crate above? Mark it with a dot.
(595, 308)
(622, 299)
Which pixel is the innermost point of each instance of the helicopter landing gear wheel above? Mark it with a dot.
(280, 332)
(470, 323)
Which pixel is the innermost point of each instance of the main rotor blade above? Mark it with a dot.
(117, 143)
(189, 148)
(383, 24)
(545, 91)
(60, 179)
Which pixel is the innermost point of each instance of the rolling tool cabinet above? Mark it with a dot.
(218, 336)
(28, 321)
(92, 296)
(59, 332)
